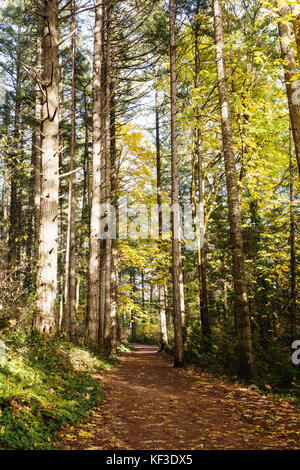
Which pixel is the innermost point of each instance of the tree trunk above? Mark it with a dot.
(86, 199)
(5, 204)
(114, 202)
(296, 24)
(205, 324)
(239, 274)
(5, 189)
(143, 289)
(132, 315)
(290, 75)
(94, 261)
(114, 296)
(69, 322)
(37, 137)
(108, 241)
(178, 291)
(30, 221)
(293, 295)
(162, 309)
(102, 323)
(45, 321)
(86, 175)
(15, 209)
(61, 258)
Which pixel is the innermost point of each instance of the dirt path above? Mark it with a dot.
(150, 405)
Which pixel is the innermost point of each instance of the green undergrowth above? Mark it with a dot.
(146, 333)
(43, 386)
(274, 372)
(124, 347)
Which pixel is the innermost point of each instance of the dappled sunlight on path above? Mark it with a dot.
(149, 404)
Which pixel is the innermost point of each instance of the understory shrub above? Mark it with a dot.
(274, 370)
(147, 333)
(43, 386)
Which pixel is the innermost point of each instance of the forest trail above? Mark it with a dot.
(148, 404)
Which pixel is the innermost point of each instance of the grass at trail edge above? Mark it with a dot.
(43, 386)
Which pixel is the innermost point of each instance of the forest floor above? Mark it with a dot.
(149, 404)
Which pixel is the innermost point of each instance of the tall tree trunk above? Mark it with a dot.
(94, 261)
(37, 138)
(70, 279)
(132, 315)
(290, 75)
(143, 288)
(150, 303)
(205, 324)
(239, 274)
(114, 296)
(61, 257)
(86, 199)
(296, 24)
(114, 202)
(77, 292)
(15, 203)
(5, 204)
(102, 322)
(5, 188)
(30, 221)
(161, 287)
(45, 321)
(178, 291)
(293, 295)
(108, 241)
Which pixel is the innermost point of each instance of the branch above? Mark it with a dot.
(70, 172)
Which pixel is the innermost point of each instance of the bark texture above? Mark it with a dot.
(290, 73)
(69, 323)
(239, 274)
(201, 258)
(94, 265)
(162, 303)
(178, 290)
(114, 202)
(45, 321)
(293, 264)
(37, 137)
(296, 24)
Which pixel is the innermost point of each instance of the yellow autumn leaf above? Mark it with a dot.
(85, 434)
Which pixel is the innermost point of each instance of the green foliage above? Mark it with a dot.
(43, 386)
(147, 333)
(274, 368)
(124, 347)
(274, 372)
(221, 356)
